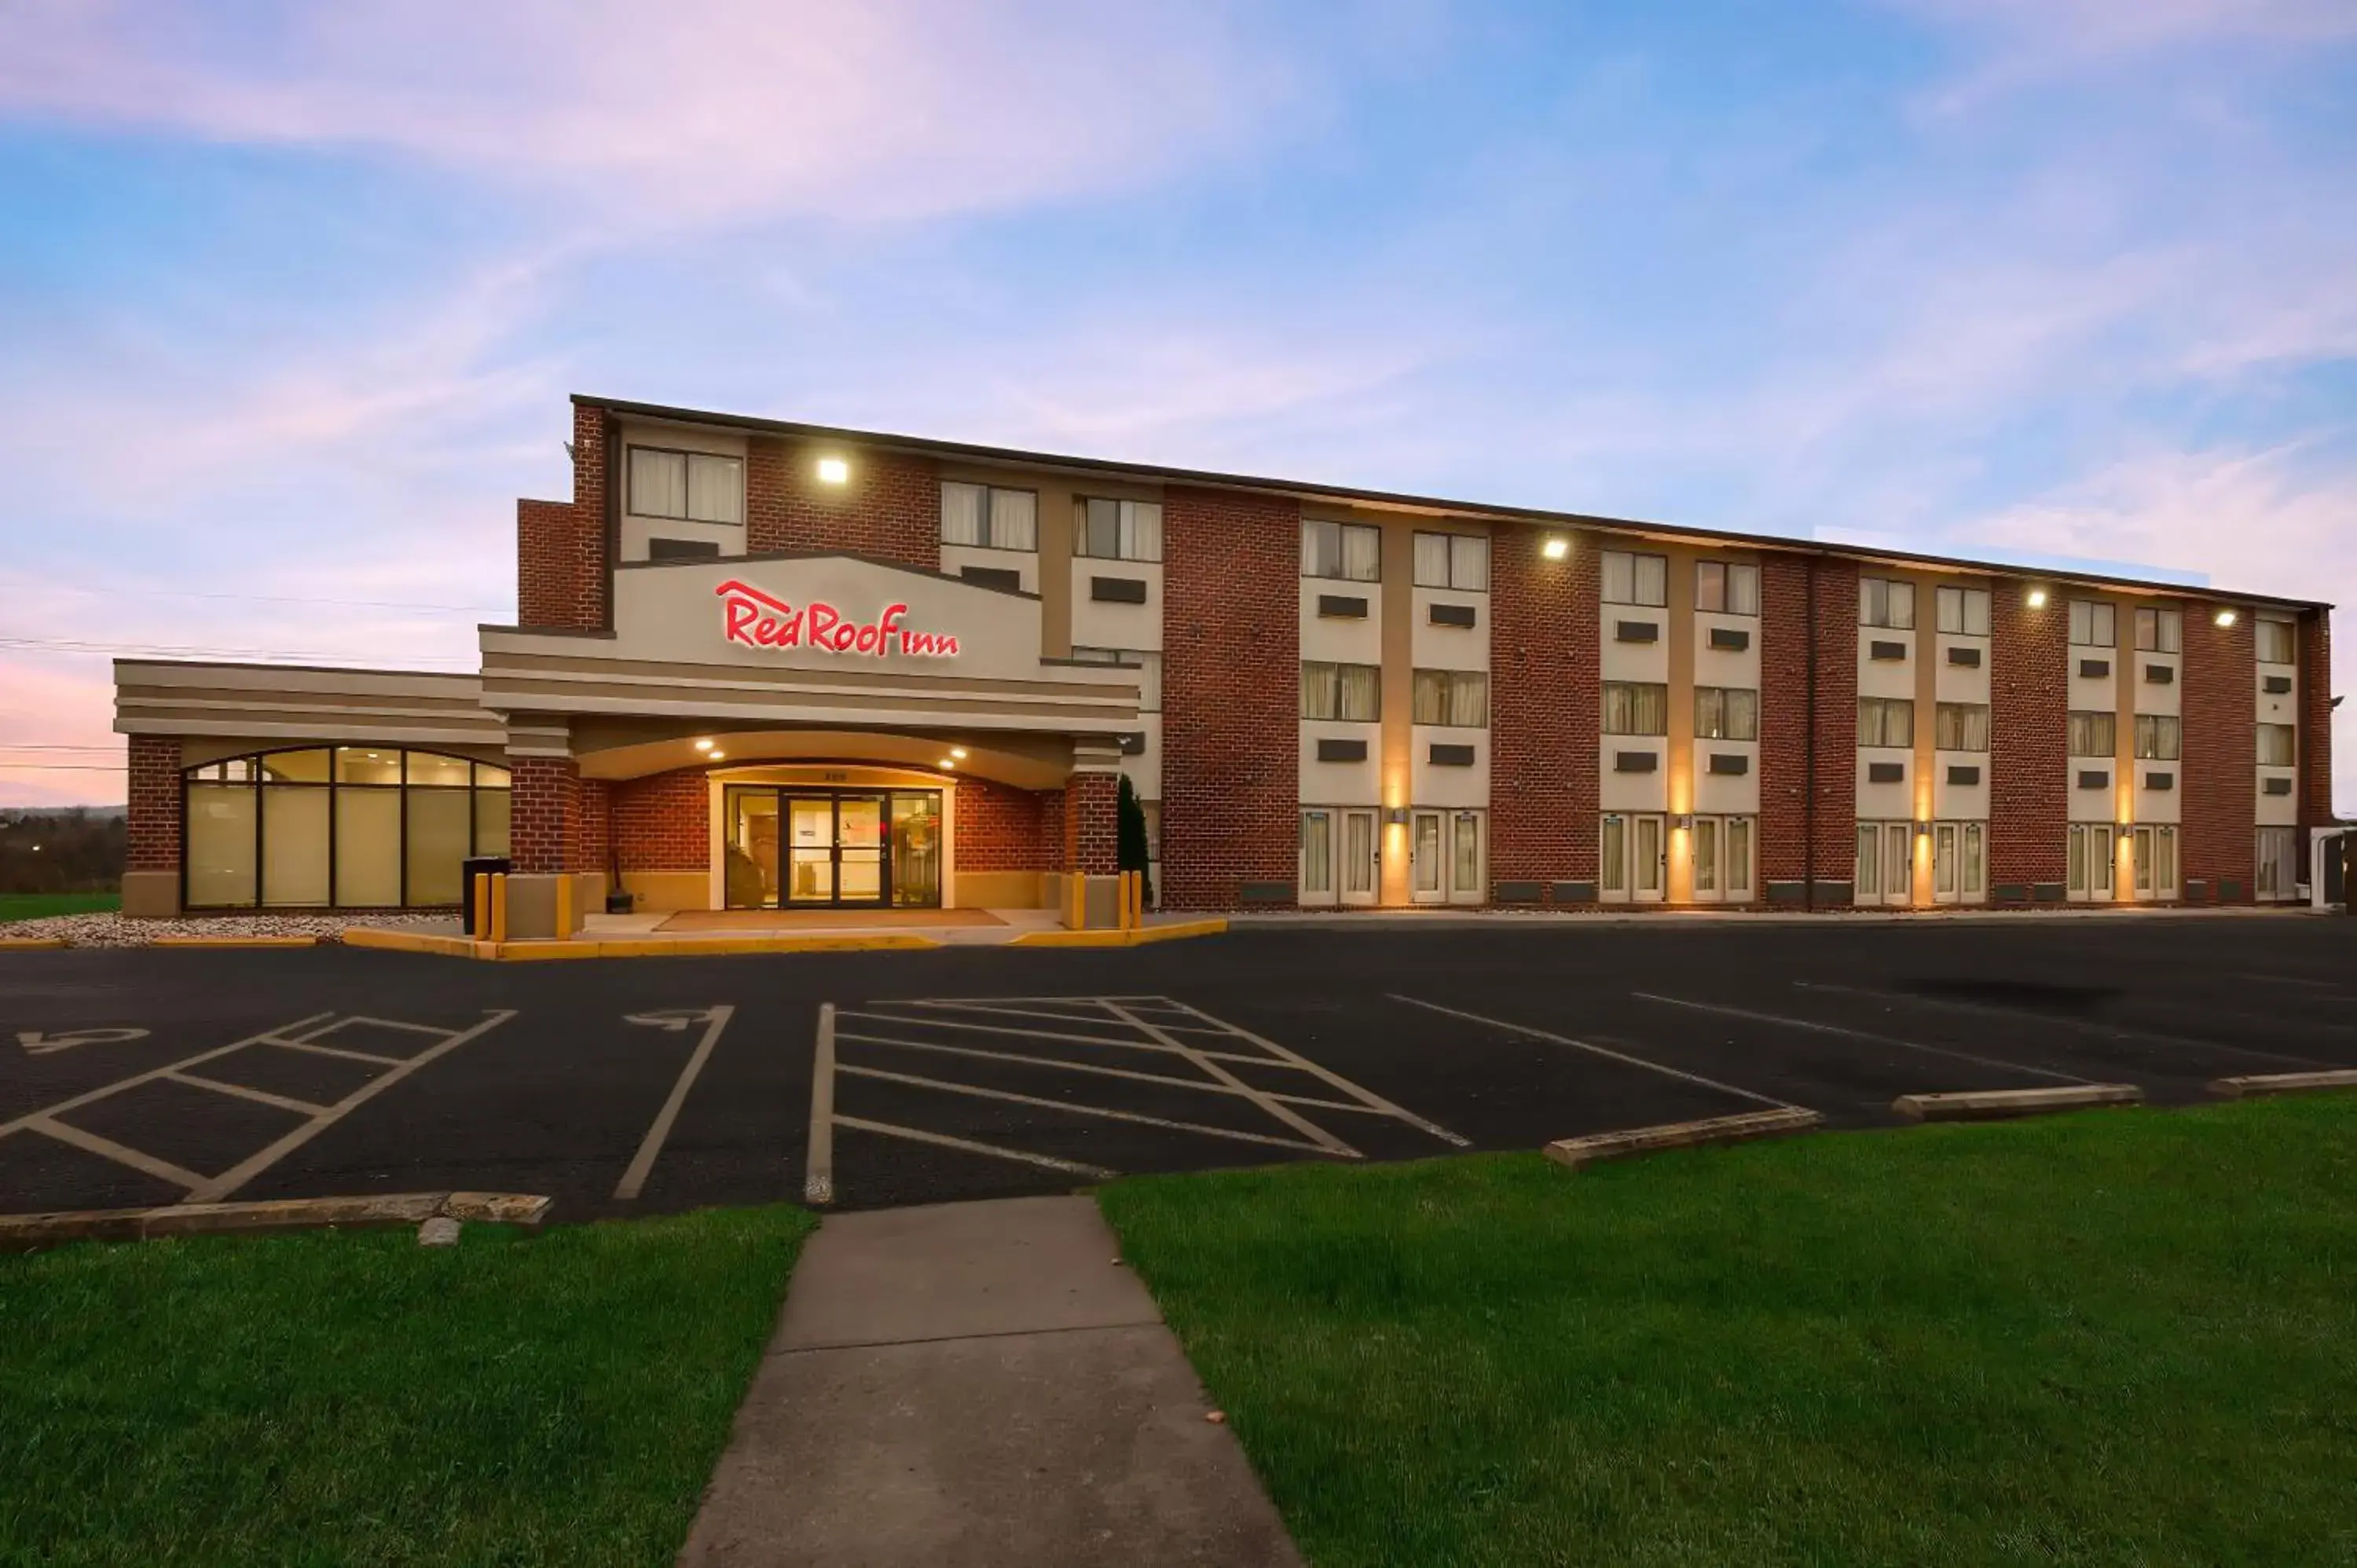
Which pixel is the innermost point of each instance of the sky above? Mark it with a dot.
(292, 293)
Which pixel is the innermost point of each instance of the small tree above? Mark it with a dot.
(1129, 836)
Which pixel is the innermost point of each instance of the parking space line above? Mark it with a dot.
(1781, 1021)
(260, 1096)
(348, 1055)
(2083, 1026)
(919, 1135)
(107, 1148)
(650, 1147)
(1593, 1049)
(1058, 1064)
(818, 1154)
(976, 1091)
(1366, 1096)
(153, 1073)
(380, 1022)
(1018, 1033)
(246, 1170)
(1283, 1113)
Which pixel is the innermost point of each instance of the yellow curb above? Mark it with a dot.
(31, 944)
(408, 942)
(1578, 1152)
(1173, 931)
(235, 943)
(1178, 930)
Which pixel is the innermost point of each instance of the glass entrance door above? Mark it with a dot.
(1426, 870)
(832, 849)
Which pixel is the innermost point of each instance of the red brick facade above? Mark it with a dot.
(663, 822)
(593, 827)
(2218, 842)
(561, 575)
(2315, 731)
(1230, 702)
(152, 815)
(1807, 847)
(1090, 823)
(890, 511)
(545, 815)
(2030, 744)
(1542, 736)
(998, 827)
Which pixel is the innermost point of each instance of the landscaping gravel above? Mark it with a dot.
(112, 931)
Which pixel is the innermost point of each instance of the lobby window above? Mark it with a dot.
(1149, 672)
(987, 517)
(1885, 721)
(2278, 746)
(1117, 531)
(2159, 631)
(696, 487)
(1726, 713)
(2093, 624)
(2095, 733)
(1458, 698)
(1961, 726)
(1636, 707)
(1631, 579)
(2158, 738)
(1727, 587)
(2274, 640)
(1886, 602)
(1352, 552)
(1963, 612)
(1353, 692)
(1459, 561)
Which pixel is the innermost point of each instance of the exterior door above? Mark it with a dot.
(1886, 864)
(1428, 857)
(2153, 862)
(1649, 858)
(1318, 884)
(1359, 881)
(1702, 859)
(1468, 858)
(796, 849)
(1959, 868)
(2091, 862)
(810, 850)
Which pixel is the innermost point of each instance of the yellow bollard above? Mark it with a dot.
(481, 925)
(500, 908)
(1133, 894)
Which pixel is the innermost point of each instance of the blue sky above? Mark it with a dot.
(291, 294)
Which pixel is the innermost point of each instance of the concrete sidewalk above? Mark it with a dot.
(979, 1384)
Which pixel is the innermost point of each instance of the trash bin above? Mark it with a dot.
(496, 865)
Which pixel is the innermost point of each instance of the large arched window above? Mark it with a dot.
(349, 826)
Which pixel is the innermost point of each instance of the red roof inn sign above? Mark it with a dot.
(757, 619)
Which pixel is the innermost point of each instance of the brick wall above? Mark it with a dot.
(593, 826)
(999, 828)
(1545, 711)
(1790, 624)
(2030, 741)
(1051, 829)
(2315, 730)
(890, 509)
(663, 822)
(1090, 823)
(544, 831)
(561, 577)
(152, 818)
(2217, 843)
(1230, 703)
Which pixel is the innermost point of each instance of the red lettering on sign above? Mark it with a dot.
(757, 619)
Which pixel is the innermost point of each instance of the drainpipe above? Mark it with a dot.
(1809, 750)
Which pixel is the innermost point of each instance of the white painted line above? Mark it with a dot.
(1060, 1064)
(261, 1097)
(945, 1141)
(2083, 1025)
(349, 1056)
(1366, 1096)
(1602, 1051)
(1106, 1112)
(1835, 1029)
(246, 1170)
(1283, 1113)
(381, 1023)
(650, 1146)
(153, 1073)
(818, 1160)
(1002, 1030)
(107, 1148)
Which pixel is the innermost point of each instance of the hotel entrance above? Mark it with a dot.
(791, 847)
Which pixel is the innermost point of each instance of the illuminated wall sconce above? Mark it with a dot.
(1684, 820)
(958, 752)
(1922, 829)
(704, 746)
(2127, 822)
(2225, 617)
(947, 764)
(1554, 547)
(1396, 816)
(2038, 598)
(834, 471)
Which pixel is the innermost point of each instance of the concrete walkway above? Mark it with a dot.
(979, 1384)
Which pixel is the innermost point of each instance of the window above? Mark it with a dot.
(1459, 561)
(699, 487)
(988, 518)
(2279, 864)
(1636, 707)
(2094, 733)
(1117, 531)
(1459, 698)
(2157, 736)
(1964, 612)
(2278, 745)
(1351, 550)
(1727, 587)
(1884, 602)
(1149, 672)
(1885, 721)
(2274, 640)
(1726, 713)
(1350, 692)
(2159, 631)
(1635, 579)
(2092, 625)
(1961, 726)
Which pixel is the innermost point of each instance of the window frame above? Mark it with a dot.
(2103, 609)
(2156, 617)
(2290, 640)
(1338, 666)
(1889, 592)
(2290, 749)
(1125, 529)
(988, 515)
(687, 484)
(1724, 727)
(1342, 554)
(1634, 702)
(1730, 574)
(1459, 546)
(1964, 598)
(2074, 718)
(1885, 707)
(1967, 712)
(2150, 731)
(1450, 681)
(1604, 571)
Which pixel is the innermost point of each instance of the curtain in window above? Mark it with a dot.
(1742, 714)
(2093, 624)
(1973, 883)
(715, 488)
(1469, 699)
(1432, 560)
(1961, 726)
(1430, 704)
(1620, 576)
(2157, 736)
(1635, 708)
(1652, 579)
(1885, 721)
(1469, 563)
(1322, 691)
(2277, 746)
(2094, 734)
(962, 515)
(1362, 554)
(1738, 855)
(2274, 640)
(1144, 522)
(1742, 589)
(1360, 687)
(1014, 520)
(1317, 851)
(1881, 601)
(1616, 855)
(658, 483)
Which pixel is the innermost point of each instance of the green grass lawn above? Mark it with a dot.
(35, 906)
(331, 1399)
(2117, 1337)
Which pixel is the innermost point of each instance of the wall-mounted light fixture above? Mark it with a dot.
(1554, 547)
(2226, 618)
(704, 746)
(1922, 829)
(958, 752)
(1396, 816)
(1684, 820)
(714, 756)
(834, 471)
(948, 762)
(2038, 598)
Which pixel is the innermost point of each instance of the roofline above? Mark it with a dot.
(122, 664)
(1305, 490)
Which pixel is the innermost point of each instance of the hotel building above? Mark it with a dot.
(760, 664)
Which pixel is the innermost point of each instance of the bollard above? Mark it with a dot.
(479, 927)
(498, 908)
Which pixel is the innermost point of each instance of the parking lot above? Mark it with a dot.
(867, 1079)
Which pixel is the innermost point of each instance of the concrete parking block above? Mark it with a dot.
(1577, 1151)
(2252, 1086)
(22, 1233)
(1991, 1104)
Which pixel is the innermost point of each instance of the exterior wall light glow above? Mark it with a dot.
(1554, 547)
(716, 756)
(958, 752)
(2225, 617)
(948, 762)
(834, 471)
(2038, 598)
(704, 746)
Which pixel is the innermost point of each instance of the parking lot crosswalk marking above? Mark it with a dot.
(942, 1140)
(1365, 1097)
(642, 1164)
(269, 1036)
(1106, 1112)
(259, 1096)
(1605, 1051)
(107, 1148)
(1812, 1027)
(343, 1051)
(1283, 1113)
(1058, 1064)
